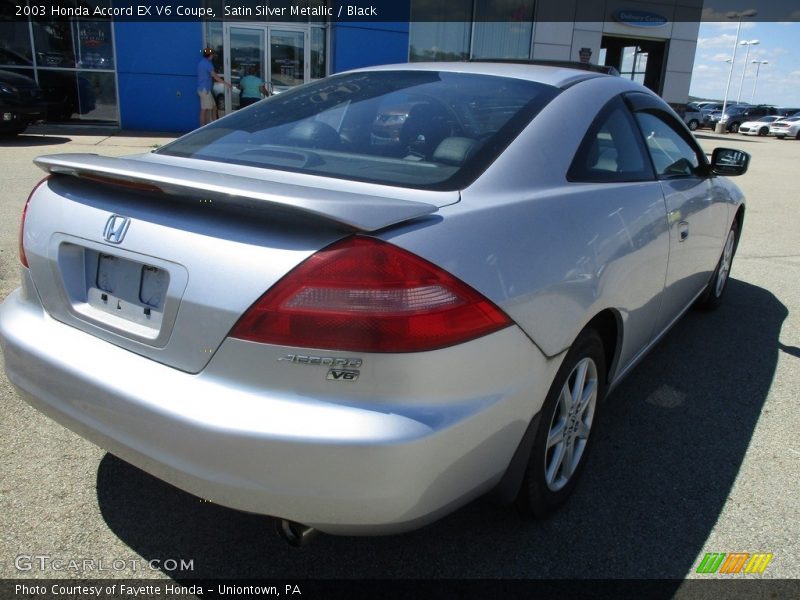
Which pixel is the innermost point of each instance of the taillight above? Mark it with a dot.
(22, 258)
(362, 294)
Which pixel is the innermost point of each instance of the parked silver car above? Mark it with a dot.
(786, 127)
(282, 315)
(693, 116)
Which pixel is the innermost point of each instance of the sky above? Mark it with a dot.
(778, 80)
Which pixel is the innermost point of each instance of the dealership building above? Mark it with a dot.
(139, 73)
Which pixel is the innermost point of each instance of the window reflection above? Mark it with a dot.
(53, 44)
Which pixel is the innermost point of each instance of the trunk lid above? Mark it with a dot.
(162, 259)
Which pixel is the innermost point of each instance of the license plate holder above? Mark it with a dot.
(129, 291)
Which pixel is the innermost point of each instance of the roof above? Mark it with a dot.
(554, 74)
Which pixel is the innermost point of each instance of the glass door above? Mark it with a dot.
(245, 55)
(282, 63)
(288, 63)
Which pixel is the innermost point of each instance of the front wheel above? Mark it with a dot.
(715, 291)
(693, 125)
(763, 131)
(563, 438)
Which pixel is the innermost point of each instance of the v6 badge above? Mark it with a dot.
(343, 375)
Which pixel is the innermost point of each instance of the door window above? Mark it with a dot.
(672, 155)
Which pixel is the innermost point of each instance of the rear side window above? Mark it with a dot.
(612, 150)
(418, 129)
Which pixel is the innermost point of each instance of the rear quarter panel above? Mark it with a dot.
(551, 253)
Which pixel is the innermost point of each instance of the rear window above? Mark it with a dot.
(418, 129)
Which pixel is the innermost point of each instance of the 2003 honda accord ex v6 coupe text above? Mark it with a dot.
(361, 303)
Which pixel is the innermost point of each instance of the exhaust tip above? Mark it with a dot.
(295, 534)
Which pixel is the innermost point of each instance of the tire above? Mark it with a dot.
(693, 125)
(715, 292)
(734, 128)
(797, 137)
(565, 428)
(763, 131)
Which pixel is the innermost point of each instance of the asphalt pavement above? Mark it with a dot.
(698, 450)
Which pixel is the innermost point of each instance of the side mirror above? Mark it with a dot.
(727, 161)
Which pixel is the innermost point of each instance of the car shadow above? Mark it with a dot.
(27, 141)
(668, 450)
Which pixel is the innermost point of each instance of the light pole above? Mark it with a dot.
(758, 68)
(747, 43)
(721, 128)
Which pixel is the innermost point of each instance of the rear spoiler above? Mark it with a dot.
(360, 212)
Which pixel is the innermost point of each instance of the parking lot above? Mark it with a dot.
(697, 451)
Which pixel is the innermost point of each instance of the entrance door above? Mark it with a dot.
(277, 54)
(642, 60)
(288, 65)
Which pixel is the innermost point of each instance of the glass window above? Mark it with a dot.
(634, 64)
(15, 43)
(74, 63)
(440, 30)
(87, 95)
(463, 29)
(318, 53)
(502, 29)
(612, 150)
(672, 155)
(426, 129)
(93, 47)
(54, 44)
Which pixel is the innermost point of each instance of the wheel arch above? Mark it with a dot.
(739, 220)
(608, 325)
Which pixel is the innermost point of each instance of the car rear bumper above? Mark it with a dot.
(357, 467)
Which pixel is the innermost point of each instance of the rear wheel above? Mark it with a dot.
(563, 439)
(715, 291)
(734, 127)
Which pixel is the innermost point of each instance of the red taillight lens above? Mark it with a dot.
(366, 295)
(22, 258)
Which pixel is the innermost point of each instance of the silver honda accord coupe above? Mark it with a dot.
(359, 304)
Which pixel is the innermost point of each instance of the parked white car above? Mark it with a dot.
(788, 127)
(759, 126)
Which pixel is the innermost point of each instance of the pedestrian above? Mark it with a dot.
(253, 88)
(205, 84)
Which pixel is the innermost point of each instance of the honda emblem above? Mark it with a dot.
(116, 227)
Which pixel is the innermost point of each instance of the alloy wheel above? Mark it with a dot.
(571, 424)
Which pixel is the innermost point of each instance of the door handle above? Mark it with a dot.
(683, 231)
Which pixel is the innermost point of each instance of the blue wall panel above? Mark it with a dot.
(365, 44)
(156, 70)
